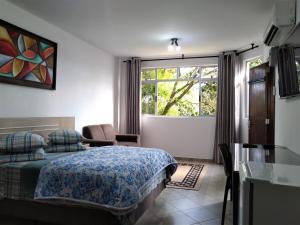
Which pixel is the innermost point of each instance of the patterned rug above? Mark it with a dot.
(187, 176)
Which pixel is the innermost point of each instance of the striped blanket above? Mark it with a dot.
(18, 179)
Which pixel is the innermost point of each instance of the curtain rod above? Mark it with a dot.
(197, 57)
(182, 57)
(191, 57)
(248, 49)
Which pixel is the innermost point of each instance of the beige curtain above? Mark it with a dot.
(133, 96)
(225, 117)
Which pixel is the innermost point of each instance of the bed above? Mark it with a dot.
(64, 188)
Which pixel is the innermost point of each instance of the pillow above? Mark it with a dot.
(37, 154)
(21, 142)
(66, 148)
(65, 137)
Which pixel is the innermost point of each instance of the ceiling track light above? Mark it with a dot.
(174, 45)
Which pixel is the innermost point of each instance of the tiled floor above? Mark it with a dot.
(184, 207)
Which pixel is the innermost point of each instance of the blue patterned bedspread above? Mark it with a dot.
(112, 177)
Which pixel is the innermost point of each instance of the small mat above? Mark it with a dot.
(187, 176)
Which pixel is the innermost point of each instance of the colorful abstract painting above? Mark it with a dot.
(25, 58)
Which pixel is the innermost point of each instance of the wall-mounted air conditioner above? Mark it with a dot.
(282, 23)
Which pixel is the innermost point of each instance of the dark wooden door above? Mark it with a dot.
(261, 105)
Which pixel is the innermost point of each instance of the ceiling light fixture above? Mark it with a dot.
(174, 45)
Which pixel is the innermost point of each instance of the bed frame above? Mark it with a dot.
(39, 125)
(57, 212)
(45, 212)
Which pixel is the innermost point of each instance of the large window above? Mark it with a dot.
(251, 63)
(179, 91)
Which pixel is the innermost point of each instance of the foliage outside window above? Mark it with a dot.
(179, 91)
(249, 65)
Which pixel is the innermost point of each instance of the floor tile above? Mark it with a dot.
(201, 214)
(148, 218)
(217, 222)
(184, 204)
(163, 210)
(212, 222)
(174, 206)
(178, 218)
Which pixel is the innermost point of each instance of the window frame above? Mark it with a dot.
(156, 81)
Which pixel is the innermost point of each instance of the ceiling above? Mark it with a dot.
(294, 39)
(144, 27)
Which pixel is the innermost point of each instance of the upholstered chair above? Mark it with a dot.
(106, 132)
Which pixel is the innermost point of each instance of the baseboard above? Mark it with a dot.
(194, 160)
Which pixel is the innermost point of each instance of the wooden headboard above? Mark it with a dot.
(39, 125)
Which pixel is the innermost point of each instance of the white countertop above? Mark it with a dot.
(274, 173)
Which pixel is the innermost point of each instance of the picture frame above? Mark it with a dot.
(26, 59)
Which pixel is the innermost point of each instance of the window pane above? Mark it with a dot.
(148, 74)
(148, 98)
(210, 72)
(166, 74)
(179, 98)
(208, 98)
(254, 62)
(189, 72)
(189, 104)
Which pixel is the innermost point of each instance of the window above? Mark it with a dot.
(179, 91)
(249, 65)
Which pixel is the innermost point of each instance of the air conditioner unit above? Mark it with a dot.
(282, 23)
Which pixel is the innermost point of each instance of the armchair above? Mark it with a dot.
(106, 132)
(96, 143)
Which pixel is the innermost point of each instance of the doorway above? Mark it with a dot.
(261, 105)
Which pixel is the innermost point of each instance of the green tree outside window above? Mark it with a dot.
(186, 91)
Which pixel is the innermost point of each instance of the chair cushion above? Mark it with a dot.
(94, 132)
(109, 131)
(126, 143)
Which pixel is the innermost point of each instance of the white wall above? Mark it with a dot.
(85, 77)
(287, 123)
(182, 137)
